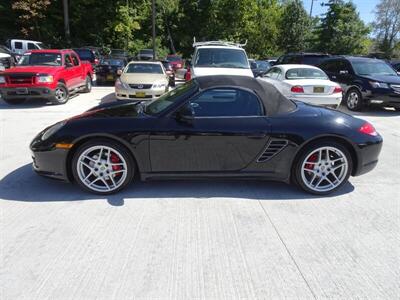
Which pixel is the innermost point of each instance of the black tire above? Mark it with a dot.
(304, 154)
(61, 94)
(88, 85)
(14, 101)
(353, 100)
(130, 164)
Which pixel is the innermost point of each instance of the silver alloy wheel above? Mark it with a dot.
(352, 100)
(324, 169)
(102, 168)
(60, 94)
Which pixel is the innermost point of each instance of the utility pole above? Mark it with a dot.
(153, 8)
(66, 22)
(312, 5)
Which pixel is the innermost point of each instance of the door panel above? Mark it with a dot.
(208, 144)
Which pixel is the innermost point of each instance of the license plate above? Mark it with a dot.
(318, 89)
(22, 91)
(110, 77)
(140, 94)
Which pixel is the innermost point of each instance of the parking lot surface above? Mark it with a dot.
(183, 239)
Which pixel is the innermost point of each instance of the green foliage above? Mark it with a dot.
(295, 27)
(341, 30)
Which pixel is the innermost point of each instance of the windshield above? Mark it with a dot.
(305, 73)
(112, 62)
(372, 68)
(174, 58)
(169, 98)
(221, 58)
(118, 52)
(144, 68)
(40, 59)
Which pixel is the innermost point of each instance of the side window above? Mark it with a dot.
(31, 46)
(273, 73)
(75, 60)
(18, 45)
(226, 103)
(68, 59)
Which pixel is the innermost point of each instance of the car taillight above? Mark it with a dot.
(367, 128)
(96, 61)
(337, 89)
(297, 89)
(188, 75)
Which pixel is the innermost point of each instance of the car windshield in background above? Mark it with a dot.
(145, 68)
(146, 51)
(40, 59)
(221, 58)
(305, 73)
(4, 50)
(84, 54)
(112, 62)
(174, 58)
(118, 52)
(169, 98)
(372, 68)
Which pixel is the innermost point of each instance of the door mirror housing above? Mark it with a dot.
(186, 114)
(119, 72)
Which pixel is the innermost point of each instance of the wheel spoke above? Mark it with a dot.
(105, 182)
(89, 158)
(86, 165)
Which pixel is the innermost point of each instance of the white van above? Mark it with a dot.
(21, 46)
(219, 58)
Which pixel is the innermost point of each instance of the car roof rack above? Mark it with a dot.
(217, 43)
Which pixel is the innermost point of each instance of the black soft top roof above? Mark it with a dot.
(274, 102)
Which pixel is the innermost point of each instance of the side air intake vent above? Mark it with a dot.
(273, 148)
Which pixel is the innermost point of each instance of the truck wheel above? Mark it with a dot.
(353, 100)
(61, 95)
(14, 101)
(88, 85)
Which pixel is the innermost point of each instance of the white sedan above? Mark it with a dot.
(305, 83)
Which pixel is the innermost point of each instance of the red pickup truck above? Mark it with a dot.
(46, 74)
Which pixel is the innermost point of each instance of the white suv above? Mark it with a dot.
(219, 58)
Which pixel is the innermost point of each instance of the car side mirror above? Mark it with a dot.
(186, 114)
(119, 72)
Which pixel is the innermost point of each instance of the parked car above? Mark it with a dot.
(259, 67)
(86, 54)
(176, 61)
(120, 53)
(21, 46)
(46, 74)
(303, 58)
(305, 83)
(169, 71)
(142, 80)
(364, 81)
(145, 54)
(219, 58)
(7, 58)
(108, 70)
(209, 127)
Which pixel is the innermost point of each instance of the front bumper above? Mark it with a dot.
(367, 155)
(51, 163)
(138, 94)
(384, 98)
(26, 93)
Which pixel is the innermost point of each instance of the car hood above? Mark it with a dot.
(33, 69)
(4, 55)
(384, 78)
(198, 72)
(142, 78)
(112, 109)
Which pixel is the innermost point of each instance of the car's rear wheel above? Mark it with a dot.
(353, 100)
(102, 167)
(88, 85)
(61, 95)
(14, 101)
(323, 168)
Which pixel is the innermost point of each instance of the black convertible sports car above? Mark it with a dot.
(214, 126)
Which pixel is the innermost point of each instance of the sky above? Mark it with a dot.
(364, 7)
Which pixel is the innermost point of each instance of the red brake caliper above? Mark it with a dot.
(313, 158)
(115, 160)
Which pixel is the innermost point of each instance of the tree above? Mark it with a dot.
(294, 27)
(341, 30)
(387, 25)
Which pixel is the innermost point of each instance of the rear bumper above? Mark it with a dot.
(331, 100)
(26, 93)
(367, 156)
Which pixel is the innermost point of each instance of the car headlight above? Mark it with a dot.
(45, 79)
(2, 79)
(159, 85)
(52, 130)
(381, 85)
(120, 84)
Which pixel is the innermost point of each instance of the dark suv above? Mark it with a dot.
(313, 59)
(364, 81)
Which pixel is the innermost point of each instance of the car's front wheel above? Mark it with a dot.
(102, 167)
(323, 168)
